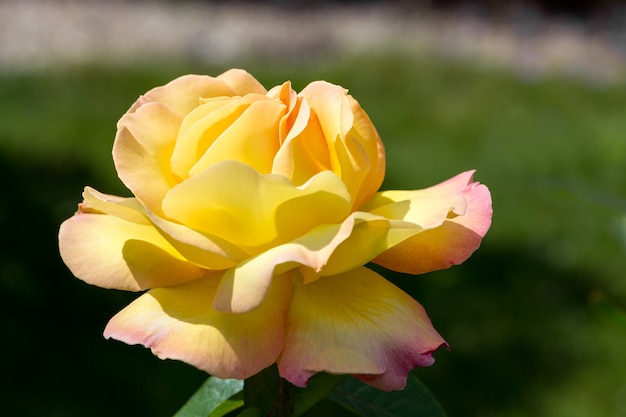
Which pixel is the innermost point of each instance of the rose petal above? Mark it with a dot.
(449, 244)
(241, 82)
(182, 94)
(143, 145)
(252, 138)
(113, 252)
(356, 152)
(206, 251)
(390, 225)
(129, 209)
(356, 323)
(179, 323)
(202, 127)
(256, 212)
(244, 287)
(304, 151)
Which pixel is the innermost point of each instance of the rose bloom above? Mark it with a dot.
(254, 213)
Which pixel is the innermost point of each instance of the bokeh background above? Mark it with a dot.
(530, 94)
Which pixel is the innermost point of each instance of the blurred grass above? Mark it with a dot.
(525, 339)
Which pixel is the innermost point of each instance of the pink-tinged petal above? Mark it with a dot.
(182, 94)
(244, 287)
(356, 323)
(241, 82)
(449, 244)
(113, 252)
(384, 227)
(142, 149)
(179, 323)
(254, 211)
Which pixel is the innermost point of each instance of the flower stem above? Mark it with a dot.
(283, 406)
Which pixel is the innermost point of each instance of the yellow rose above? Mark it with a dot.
(253, 214)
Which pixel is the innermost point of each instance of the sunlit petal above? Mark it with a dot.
(241, 82)
(356, 152)
(304, 151)
(200, 129)
(182, 94)
(142, 149)
(234, 202)
(252, 138)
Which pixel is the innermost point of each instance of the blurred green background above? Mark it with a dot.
(533, 318)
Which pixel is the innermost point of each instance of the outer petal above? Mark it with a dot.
(179, 323)
(356, 323)
(115, 252)
(244, 287)
(241, 82)
(143, 146)
(449, 244)
(182, 94)
(254, 211)
(390, 225)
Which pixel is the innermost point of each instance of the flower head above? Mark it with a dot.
(254, 213)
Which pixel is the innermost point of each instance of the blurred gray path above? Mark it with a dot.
(39, 34)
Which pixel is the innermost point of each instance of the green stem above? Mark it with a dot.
(283, 406)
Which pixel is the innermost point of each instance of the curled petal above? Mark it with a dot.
(115, 252)
(201, 127)
(357, 154)
(244, 287)
(252, 138)
(449, 244)
(129, 209)
(385, 227)
(179, 323)
(254, 211)
(304, 151)
(356, 323)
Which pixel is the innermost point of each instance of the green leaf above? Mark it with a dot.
(233, 403)
(250, 412)
(413, 401)
(209, 397)
(317, 388)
